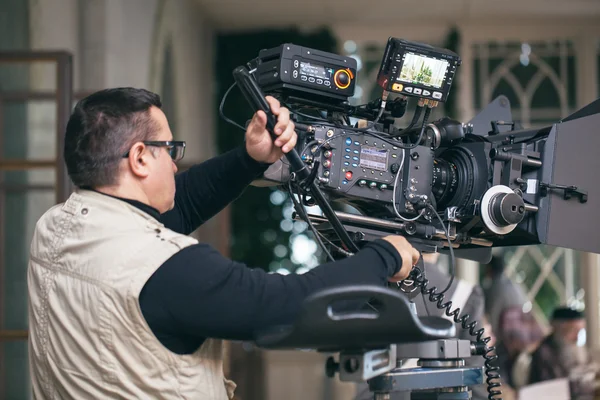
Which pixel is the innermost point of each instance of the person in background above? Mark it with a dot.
(520, 334)
(562, 354)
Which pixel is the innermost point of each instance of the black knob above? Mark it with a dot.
(331, 367)
(394, 168)
(351, 365)
(507, 209)
(342, 79)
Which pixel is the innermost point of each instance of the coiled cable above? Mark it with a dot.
(491, 371)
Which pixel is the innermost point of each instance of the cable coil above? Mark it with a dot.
(491, 371)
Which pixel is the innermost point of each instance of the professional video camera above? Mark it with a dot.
(486, 182)
(444, 185)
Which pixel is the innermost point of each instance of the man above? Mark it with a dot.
(521, 334)
(122, 303)
(562, 355)
(464, 295)
(516, 330)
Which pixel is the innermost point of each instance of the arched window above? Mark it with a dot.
(537, 78)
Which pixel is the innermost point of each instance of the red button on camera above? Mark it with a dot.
(349, 175)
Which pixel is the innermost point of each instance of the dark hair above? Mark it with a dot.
(102, 127)
(566, 314)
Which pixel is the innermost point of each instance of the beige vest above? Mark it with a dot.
(90, 258)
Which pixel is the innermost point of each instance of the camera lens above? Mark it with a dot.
(454, 173)
(445, 180)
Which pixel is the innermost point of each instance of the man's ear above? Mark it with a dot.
(139, 160)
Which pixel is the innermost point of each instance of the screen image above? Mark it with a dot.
(421, 70)
(317, 71)
(372, 157)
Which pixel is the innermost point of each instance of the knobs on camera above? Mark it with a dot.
(507, 208)
(331, 367)
(502, 209)
(342, 78)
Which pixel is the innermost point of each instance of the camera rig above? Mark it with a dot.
(445, 185)
(486, 182)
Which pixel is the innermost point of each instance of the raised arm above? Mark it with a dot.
(207, 188)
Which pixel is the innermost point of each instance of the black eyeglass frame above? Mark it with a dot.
(170, 145)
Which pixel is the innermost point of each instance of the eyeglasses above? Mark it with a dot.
(176, 149)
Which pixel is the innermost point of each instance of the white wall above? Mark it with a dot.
(183, 23)
(121, 43)
(45, 16)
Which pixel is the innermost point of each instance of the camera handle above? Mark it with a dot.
(257, 101)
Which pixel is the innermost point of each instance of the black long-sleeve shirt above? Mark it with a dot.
(198, 293)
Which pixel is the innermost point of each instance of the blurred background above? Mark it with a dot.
(544, 55)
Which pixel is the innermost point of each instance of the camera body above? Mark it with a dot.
(480, 184)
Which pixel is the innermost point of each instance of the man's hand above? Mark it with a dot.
(260, 145)
(410, 256)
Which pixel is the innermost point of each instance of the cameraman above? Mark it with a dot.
(123, 304)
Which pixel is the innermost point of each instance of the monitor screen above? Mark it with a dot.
(372, 157)
(421, 70)
(315, 70)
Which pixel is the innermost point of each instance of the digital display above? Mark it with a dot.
(421, 70)
(316, 71)
(372, 157)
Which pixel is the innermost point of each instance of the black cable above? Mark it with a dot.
(414, 121)
(307, 146)
(222, 113)
(423, 295)
(334, 246)
(308, 116)
(300, 209)
(450, 248)
(418, 141)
